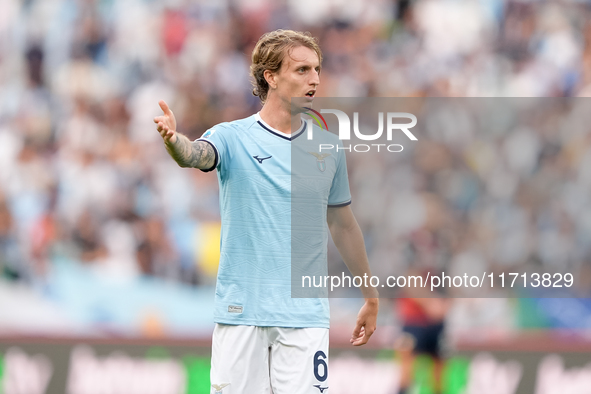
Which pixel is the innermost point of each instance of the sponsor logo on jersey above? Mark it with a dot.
(208, 133)
(260, 159)
(235, 309)
(320, 388)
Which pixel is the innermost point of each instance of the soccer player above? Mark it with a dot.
(423, 322)
(264, 339)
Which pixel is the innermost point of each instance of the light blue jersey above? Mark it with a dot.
(254, 166)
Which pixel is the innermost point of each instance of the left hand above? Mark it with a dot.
(366, 322)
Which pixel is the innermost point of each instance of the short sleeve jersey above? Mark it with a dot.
(254, 168)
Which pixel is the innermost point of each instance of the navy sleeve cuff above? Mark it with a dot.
(339, 205)
(215, 150)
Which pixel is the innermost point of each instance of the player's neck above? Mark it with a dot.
(280, 118)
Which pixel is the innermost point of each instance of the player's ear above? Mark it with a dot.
(271, 78)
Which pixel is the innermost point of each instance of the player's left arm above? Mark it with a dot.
(348, 239)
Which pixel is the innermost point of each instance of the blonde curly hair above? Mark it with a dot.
(269, 52)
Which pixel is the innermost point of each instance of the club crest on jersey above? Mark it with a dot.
(320, 163)
(208, 133)
(219, 387)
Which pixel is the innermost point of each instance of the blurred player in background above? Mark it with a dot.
(422, 333)
(264, 339)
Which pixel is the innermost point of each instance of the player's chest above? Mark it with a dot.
(292, 168)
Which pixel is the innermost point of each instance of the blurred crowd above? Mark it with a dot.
(84, 175)
(494, 185)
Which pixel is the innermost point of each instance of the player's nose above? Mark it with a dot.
(314, 78)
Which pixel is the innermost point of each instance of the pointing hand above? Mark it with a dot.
(166, 123)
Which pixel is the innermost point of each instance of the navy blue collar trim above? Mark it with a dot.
(282, 136)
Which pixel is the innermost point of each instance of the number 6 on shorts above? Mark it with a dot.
(320, 373)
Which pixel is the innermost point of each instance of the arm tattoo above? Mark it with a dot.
(197, 154)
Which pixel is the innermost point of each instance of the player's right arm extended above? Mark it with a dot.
(196, 154)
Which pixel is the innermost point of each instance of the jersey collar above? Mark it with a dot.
(278, 133)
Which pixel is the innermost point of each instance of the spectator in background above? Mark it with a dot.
(86, 238)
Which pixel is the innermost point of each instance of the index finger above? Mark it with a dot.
(357, 330)
(164, 107)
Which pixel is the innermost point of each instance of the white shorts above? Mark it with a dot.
(264, 360)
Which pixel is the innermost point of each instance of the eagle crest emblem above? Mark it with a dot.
(219, 387)
(320, 163)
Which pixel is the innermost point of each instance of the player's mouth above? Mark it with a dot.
(310, 94)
